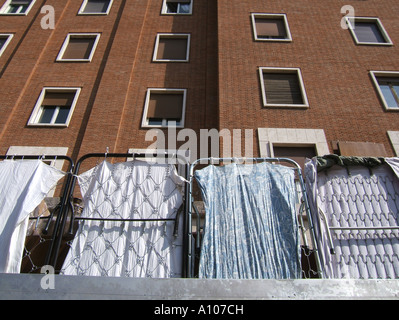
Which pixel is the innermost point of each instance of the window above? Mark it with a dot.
(368, 31)
(298, 153)
(172, 48)
(387, 85)
(164, 107)
(270, 138)
(270, 27)
(177, 6)
(17, 7)
(95, 7)
(54, 107)
(79, 47)
(282, 87)
(4, 41)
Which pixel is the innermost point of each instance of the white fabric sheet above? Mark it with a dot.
(394, 164)
(129, 190)
(355, 197)
(23, 185)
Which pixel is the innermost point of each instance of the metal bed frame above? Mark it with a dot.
(65, 207)
(170, 156)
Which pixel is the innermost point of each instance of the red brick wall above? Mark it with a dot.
(198, 76)
(110, 107)
(342, 98)
(32, 66)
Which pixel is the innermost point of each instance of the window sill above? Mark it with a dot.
(13, 14)
(391, 109)
(47, 125)
(170, 61)
(148, 126)
(93, 14)
(176, 14)
(285, 106)
(73, 60)
(272, 40)
(374, 44)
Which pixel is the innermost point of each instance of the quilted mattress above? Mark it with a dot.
(366, 202)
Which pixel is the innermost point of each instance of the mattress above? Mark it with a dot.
(355, 212)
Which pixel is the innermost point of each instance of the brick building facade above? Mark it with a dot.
(224, 62)
(343, 103)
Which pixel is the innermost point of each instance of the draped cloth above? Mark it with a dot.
(251, 231)
(129, 190)
(23, 185)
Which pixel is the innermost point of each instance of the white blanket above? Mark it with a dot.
(23, 185)
(129, 190)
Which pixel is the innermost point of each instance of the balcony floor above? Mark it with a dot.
(28, 286)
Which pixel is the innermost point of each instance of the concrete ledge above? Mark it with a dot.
(28, 286)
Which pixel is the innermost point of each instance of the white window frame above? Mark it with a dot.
(394, 138)
(382, 74)
(291, 137)
(282, 16)
(164, 10)
(84, 4)
(172, 36)
(263, 70)
(78, 35)
(37, 110)
(9, 37)
(145, 123)
(3, 9)
(377, 21)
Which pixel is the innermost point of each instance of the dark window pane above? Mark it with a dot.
(368, 32)
(79, 48)
(62, 115)
(12, 9)
(388, 96)
(282, 88)
(47, 114)
(184, 8)
(96, 6)
(172, 7)
(18, 6)
(3, 40)
(155, 121)
(270, 28)
(172, 49)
